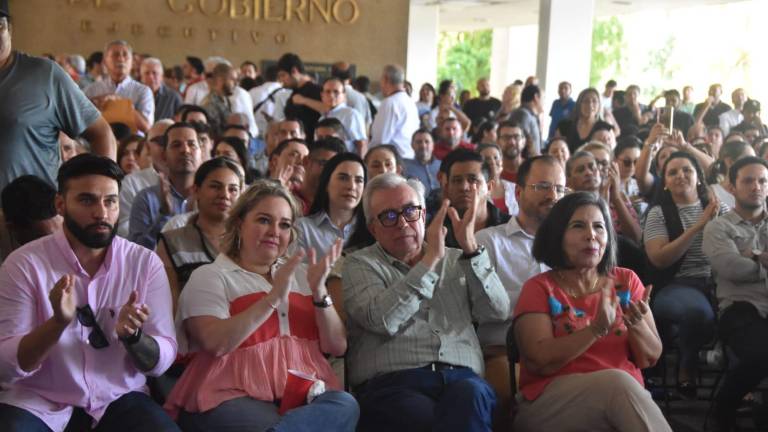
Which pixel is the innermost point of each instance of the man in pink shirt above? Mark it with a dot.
(84, 316)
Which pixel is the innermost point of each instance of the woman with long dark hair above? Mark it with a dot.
(673, 242)
(337, 207)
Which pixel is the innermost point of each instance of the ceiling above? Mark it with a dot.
(457, 15)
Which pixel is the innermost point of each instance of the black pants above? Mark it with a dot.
(745, 332)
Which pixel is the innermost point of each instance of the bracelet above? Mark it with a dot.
(132, 339)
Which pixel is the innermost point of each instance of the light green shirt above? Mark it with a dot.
(402, 317)
(738, 278)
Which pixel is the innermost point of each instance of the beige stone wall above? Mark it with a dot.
(368, 33)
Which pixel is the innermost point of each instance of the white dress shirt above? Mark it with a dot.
(352, 122)
(140, 95)
(131, 185)
(509, 250)
(395, 123)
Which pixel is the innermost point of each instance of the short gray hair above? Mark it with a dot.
(213, 61)
(579, 154)
(118, 42)
(394, 74)
(77, 62)
(152, 61)
(390, 181)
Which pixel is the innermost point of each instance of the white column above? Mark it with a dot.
(513, 56)
(423, 33)
(565, 44)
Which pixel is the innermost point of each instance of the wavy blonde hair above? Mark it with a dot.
(230, 241)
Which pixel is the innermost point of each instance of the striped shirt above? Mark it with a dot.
(402, 317)
(695, 263)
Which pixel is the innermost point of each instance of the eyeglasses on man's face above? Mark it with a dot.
(546, 187)
(390, 217)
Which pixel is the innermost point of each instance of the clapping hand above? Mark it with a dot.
(281, 281)
(435, 237)
(464, 227)
(606, 311)
(132, 316)
(635, 312)
(318, 270)
(63, 300)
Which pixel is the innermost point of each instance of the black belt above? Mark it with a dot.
(439, 366)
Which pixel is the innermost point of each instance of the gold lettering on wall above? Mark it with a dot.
(220, 11)
(303, 11)
(137, 29)
(280, 38)
(234, 36)
(324, 10)
(164, 31)
(113, 28)
(240, 6)
(86, 26)
(353, 11)
(187, 9)
(268, 10)
(213, 34)
(187, 32)
(255, 36)
(299, 10)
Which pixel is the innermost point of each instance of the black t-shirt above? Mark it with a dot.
(624, 117)
(712, 117)
(307, 115)
(476, 109)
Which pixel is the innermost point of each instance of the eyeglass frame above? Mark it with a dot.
(401, 213)
(85, 316)
(547, 186)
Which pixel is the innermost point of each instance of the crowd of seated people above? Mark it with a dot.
(231, 253)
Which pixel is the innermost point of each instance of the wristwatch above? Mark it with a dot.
(325, 302)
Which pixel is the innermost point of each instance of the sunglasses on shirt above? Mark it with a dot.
(97, 339)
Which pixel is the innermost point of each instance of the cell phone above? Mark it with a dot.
(671, 110)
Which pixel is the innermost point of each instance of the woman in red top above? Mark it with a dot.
(584, 329)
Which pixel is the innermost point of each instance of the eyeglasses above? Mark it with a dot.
(546, 187)
(389, 218)
(628, 162)
(97, 338)
(510, 137)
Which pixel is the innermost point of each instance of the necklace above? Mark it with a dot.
(570, 292)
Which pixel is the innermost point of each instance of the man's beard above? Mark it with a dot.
(512, 152)
(88, 238)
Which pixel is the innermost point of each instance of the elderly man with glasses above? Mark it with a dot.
(414, 358)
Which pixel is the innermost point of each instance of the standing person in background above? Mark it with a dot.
(397, 118)
(355, 99)
(118, 58)
(687, 104)
(708, 112)
(29, 138)
(510, 101)
(606, 99)
(305, 102)
(483, 106)
(561, 108)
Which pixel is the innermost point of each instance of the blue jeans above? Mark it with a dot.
(331, 411)
(132, 412)
(421, 400)
(681, 308)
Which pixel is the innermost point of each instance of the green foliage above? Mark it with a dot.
(464, 57)
(662, 68)
(608, 51)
